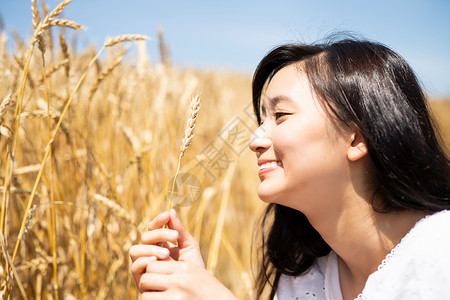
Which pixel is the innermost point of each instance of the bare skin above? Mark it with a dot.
(362, 247)
(297, 170)
(332, 188)
(164, 271)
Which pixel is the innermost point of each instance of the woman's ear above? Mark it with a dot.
(357, 146)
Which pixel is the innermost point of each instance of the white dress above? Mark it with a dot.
(417, 268)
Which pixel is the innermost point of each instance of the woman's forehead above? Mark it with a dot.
(284, 85)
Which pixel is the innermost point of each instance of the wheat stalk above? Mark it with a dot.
(46, 23)
(54, 68)
(52, 231)
(113, 206)
(10, 263)
(105, 73)
(187, 139)
(48, 147)
(40, 114)
(7, 101)
(190, 125)
(30, 79)
(122, 38)
(65, 52)
(36, 17)
(67, 23)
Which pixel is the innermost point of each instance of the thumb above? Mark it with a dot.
(184, 238)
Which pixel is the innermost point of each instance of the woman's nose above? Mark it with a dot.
(260, 140)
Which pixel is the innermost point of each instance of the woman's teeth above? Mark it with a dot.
(271, 165)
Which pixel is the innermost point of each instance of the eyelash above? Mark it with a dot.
(278, 115)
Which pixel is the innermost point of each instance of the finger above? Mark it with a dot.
(139, 266)
(137, 251)
(184, 236)
(159, 221)
(163, 267)
(157, 295)
(154, 282)
(156, 236)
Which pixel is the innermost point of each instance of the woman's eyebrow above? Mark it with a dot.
(273, 102)
(277, 99)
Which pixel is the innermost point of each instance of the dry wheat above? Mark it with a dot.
(118, 211)
(105, 73)
(7, 101)
(187, 139)
(54, 68)
(122, 38)
(36, 15)
(190, 125)
(67, 23)
(46, 22)
(142, 100)
(65, 51)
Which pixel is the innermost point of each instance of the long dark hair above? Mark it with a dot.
(367, 85)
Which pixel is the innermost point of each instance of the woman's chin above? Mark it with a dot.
(267, 194)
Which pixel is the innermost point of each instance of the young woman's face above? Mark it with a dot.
(302, 155)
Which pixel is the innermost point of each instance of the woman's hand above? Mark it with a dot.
(180, 280)
(156, 245)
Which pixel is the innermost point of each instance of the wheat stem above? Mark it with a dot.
(187, 139)
(102, 76)
(52, 189)
(67, 23)
(214, 250)
(10, 162)
(47, 151)
(9, 261)
(46, 23)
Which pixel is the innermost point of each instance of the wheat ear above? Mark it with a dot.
(7, 101)
(105, 73)
(67, 23)
(46, 23)
(36, 14)
(122, 38)
(187, 139)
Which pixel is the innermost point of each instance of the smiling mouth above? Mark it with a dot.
(269, 165)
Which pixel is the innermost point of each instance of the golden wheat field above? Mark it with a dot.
(89, 145)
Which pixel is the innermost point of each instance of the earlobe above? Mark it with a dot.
(357, 147)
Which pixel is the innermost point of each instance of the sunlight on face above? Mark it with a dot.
(302, 157)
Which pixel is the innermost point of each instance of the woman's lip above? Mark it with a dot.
(263, 161)
(262, 172)
(269, 168)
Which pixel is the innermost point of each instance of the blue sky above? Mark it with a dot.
(235, 34)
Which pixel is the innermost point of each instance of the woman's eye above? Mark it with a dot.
(279, 115)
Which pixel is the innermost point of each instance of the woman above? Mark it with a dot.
(354, 176)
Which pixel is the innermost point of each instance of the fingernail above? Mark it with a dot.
(173, 234)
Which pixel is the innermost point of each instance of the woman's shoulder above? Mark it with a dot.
(430, 233)
(427, 243)
(417, 268)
